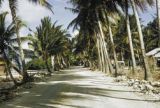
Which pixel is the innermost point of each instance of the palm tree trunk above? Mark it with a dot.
(104, 65)
(53, 62)
(63, 62)
(130, 42)
(12, 5)
(59, 63)
(60, 59)
(47, 65)
(46, 62)
(113, 50)
(158, 19)
(104, 45)
(99, 55)
(147, 75)
(8, 68)
(122, 55)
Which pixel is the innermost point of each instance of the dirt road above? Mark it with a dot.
(80, 88)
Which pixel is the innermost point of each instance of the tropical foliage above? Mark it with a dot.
(50, 40)
(97, 20)
(108, 33)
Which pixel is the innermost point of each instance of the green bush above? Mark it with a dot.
(36, 64)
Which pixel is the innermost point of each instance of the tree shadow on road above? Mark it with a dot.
(57, 93)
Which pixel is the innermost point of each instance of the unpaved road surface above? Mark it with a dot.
(80, 88)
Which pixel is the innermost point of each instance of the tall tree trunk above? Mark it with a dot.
(63, 62)
(59, 63)
(12, 5)
(53, 62)
(147, 73)
(106, 61)
(48, 67)
(130, 42)
(104, 64)
(102, 37)
(8, 68)
(46, 62)
(122, 55)
(99, 55)
(113, 50)
(158, 19)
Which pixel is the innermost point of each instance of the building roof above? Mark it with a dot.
(153, 52)
(157, 55)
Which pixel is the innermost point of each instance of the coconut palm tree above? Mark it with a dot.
(85, 47)
(6, 46)
(89, 22)
(130, 36)
(146, 65)
(13, 8)
(97, 8)
(50, 40)
(151, 35)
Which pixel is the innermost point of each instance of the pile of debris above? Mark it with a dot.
(146, 87)
(120, 79)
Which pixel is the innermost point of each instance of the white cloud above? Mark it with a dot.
(29, 12)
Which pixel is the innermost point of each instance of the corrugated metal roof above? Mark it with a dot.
(153, 52)
(157, 55)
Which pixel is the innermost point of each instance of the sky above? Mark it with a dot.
(32, 14)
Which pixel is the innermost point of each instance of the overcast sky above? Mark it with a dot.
(32, 14)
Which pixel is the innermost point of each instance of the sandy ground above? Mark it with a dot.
(80, 88)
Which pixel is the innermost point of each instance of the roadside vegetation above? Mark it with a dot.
(111, 39)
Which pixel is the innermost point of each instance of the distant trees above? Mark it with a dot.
(95, 19)
(51, 40)
(105, 29)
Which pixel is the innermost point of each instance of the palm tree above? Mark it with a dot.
(146, 65)
(130, 37)
(104, 45)
(113, 46)
(6, 35)
(13, 8)
(89, 21)
(85, 47)
(50, 40)
(151, 35)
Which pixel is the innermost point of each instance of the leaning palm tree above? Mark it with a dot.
(6, 35)
(146, 64)
(13, 8)
(130, 36)
(89, 20)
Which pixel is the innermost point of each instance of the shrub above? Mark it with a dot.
(36, 64)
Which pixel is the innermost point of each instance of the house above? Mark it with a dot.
(154, 57)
